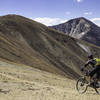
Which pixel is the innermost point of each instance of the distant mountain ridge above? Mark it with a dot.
(81, 28)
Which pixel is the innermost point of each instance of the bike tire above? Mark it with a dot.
(97, 89)
(81, 81)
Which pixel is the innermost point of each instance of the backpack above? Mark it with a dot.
(97, 61)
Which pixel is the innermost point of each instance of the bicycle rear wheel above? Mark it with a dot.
(97, 88)
(81, 85)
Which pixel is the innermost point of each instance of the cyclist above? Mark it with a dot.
(95, 63)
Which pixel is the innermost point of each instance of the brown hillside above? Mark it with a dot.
(25, 41)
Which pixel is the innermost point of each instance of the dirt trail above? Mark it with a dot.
(19, 82)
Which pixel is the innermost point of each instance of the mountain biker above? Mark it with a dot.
(95, 63)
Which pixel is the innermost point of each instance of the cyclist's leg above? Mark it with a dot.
(98, 73)
(92, 73)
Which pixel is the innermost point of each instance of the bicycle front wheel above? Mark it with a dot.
(81, 85)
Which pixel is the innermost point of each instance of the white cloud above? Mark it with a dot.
(96, 21)
(50, 21)
(88, 13)
(79, 1)
(54, 21)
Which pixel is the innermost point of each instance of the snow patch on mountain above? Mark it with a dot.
(86, 48)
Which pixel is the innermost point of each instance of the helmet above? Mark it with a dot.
(90, 56)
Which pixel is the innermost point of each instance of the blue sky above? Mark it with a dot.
(51, 12)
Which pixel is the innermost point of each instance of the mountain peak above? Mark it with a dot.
(81, 28)
(79, 18)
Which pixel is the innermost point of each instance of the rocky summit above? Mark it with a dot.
(81, 28)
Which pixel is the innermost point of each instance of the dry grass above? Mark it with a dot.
(20, 82)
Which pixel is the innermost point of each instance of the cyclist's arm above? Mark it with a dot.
(91, 62)
(87, 63)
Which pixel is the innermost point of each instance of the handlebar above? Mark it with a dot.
(86, 72)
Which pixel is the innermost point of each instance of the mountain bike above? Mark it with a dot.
(82, 83)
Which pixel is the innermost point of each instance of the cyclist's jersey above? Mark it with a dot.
(97, 61)
(93, 62)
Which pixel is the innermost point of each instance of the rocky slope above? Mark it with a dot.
(81, 28)
(27, 42)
